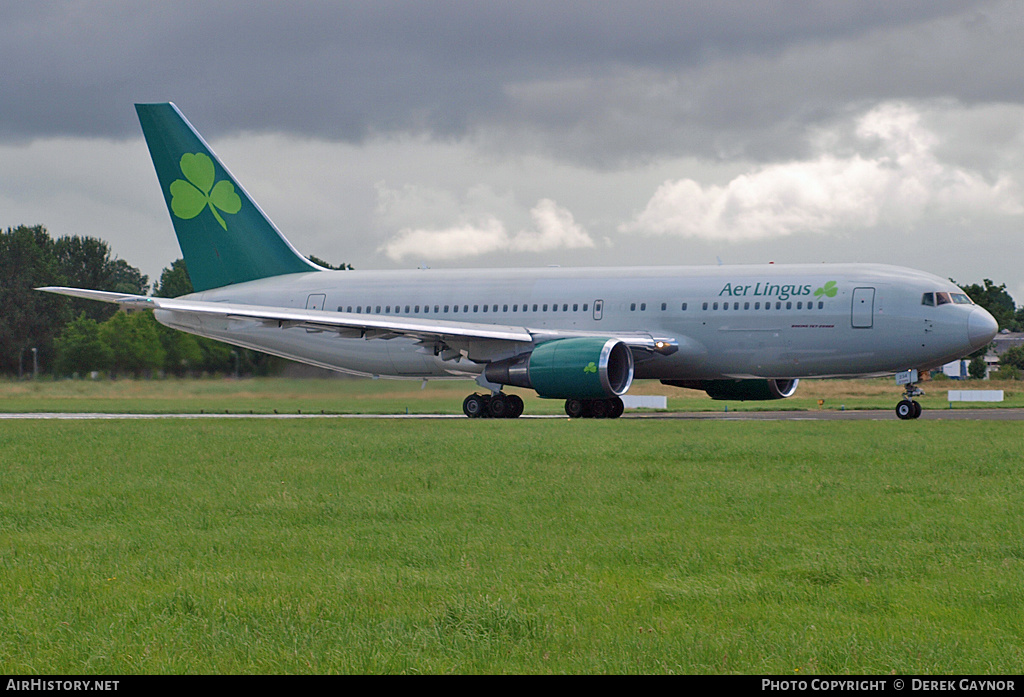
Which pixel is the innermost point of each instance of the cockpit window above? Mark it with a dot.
(943, 298)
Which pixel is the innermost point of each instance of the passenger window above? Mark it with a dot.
(821, 304)
(746, 306)
(800, 305)
(714, 307)
(632, 307)
(684, 307)
(575, 307)
(664, 306)
(504, 308)
(476, 308)
(757, 306)
(643, 307)
(585, 306)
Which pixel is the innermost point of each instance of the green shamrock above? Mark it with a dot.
(592, 368)
(829, 290)
(190, 198)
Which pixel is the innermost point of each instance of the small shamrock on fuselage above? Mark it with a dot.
(828, 290)
(190, 198)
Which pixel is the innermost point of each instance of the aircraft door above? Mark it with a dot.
(863, 311)
(316, 301)
(598, 309)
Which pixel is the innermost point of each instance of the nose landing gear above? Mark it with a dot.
(907, 408)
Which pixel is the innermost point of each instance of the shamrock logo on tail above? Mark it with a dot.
(190, 198)
(828, 290)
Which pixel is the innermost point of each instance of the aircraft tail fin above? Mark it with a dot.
(224, 236)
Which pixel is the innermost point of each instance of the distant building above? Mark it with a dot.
(956, 370)
(1002, 341)
(1006, 340)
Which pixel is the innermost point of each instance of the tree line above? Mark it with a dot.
(71, 336)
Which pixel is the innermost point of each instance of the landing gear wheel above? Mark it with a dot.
(515, 406)
(575, 408)
(474, 406)
(600, 408)
(908, 409)
(617, 407)
(499, 407)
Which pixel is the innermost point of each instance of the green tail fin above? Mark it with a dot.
(224, 236)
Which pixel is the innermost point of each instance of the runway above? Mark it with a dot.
(824, 415)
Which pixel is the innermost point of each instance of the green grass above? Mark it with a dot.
(551, 546)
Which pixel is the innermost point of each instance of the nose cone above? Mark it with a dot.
(981, 327)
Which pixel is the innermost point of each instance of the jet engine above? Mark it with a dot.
(577, 368)
(740, 390)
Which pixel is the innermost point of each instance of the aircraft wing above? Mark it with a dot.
(443, 334)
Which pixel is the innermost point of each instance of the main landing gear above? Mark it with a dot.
(493, 406)
(610, 408)
(908, 408)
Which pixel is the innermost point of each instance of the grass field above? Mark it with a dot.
(361, 395)
(511, 546)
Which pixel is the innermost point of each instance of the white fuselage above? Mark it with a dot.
(764, 321)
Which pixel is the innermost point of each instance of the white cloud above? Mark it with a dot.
(466, 240)
(894, 179)
(554, 228)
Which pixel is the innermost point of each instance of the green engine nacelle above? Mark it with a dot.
(740, 390)
(582, 368)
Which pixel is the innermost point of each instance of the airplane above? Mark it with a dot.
(583, 335)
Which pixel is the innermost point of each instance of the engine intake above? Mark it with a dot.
(582, 368)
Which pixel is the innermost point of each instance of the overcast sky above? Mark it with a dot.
(396, 134)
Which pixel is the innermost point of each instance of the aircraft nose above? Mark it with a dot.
(981, 327)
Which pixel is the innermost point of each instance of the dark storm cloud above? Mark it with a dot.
(347, 70)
